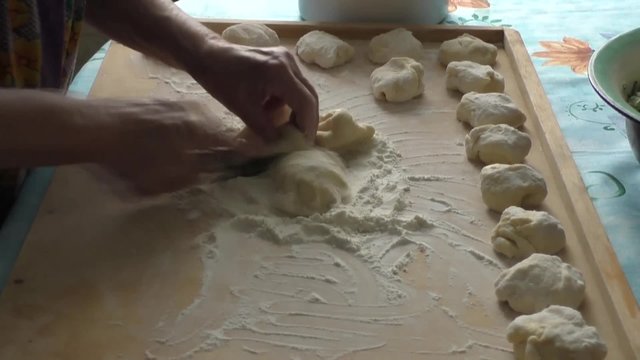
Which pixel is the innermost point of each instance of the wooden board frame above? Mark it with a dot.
(610, 281)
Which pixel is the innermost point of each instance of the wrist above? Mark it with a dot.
(200, 51)
(209, 60)
(96, 131)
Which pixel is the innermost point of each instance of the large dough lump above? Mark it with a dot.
(395, 43)
(338, 131)
(479, 109)
(497, 144)
(467, 76)
(467, 47)
(400, 79)
(257, 35)
(556, 333)
(511, 185)
(309, 182)
(520, 233)
(324, 49)
(539, 281)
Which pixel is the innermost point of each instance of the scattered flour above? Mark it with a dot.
(378, 227)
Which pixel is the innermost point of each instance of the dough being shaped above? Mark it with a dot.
(395, 43)
(479, 109)
(309, 182)
(555, 333)
(505, 185)
(258, 35)
(467, 76)
(467, 47)
(497, 144)
(539, 281)
(289, 139)
(324, 49)
(400, 79)
(338, 131)
(521, 233)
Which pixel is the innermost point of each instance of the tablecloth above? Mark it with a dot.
(560, 36)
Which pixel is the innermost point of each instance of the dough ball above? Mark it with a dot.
(556, 333)
(479, 109)
(324, 49)
(467, 47)
(338, 131)
(521, 233)
(539, 281)
(400, 79)
(511, 185)
(395, 43)
(497, 144)
(290, 139)
(257, 35)
(308, 182)
(467, 76)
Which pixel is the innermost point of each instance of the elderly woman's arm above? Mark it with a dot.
(241, 78)
(151, 144)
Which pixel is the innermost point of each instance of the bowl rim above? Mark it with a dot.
(597, 86)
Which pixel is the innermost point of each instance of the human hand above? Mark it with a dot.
(255, 83)
(156, 143)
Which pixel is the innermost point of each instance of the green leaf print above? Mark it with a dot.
(602, 185)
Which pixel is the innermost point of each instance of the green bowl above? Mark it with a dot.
(615, 65)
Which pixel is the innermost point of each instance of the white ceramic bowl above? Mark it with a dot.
(390, 11)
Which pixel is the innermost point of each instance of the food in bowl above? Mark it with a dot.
(633, 95)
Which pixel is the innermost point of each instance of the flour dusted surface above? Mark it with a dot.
(408, 253)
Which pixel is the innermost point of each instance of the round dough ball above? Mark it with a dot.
(467, 76)
(324, 49)
(309, 182)
(539, 281)
(511, 185)
(497, 144)
(479, 109)
(395, 43)
(467, 47)
(520, 233)
(258, 35)
(338, 131)
(400, 79)
(555, 333)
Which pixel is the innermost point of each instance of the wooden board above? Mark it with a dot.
(101, 278)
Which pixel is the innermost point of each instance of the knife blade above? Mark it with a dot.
(228, 163)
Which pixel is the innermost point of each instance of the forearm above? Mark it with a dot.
(39, 128)
(157, 28)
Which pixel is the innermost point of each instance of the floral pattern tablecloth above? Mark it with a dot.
(561, 37)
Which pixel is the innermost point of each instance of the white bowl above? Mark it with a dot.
(390, 11)
(615, 65)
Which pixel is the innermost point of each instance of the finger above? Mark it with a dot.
(302, 78)
(298, 73)
(301, 101)
(273, 103)
(258, 120)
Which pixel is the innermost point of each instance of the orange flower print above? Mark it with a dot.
(568, 52)
(27, 63)
(475, 4)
